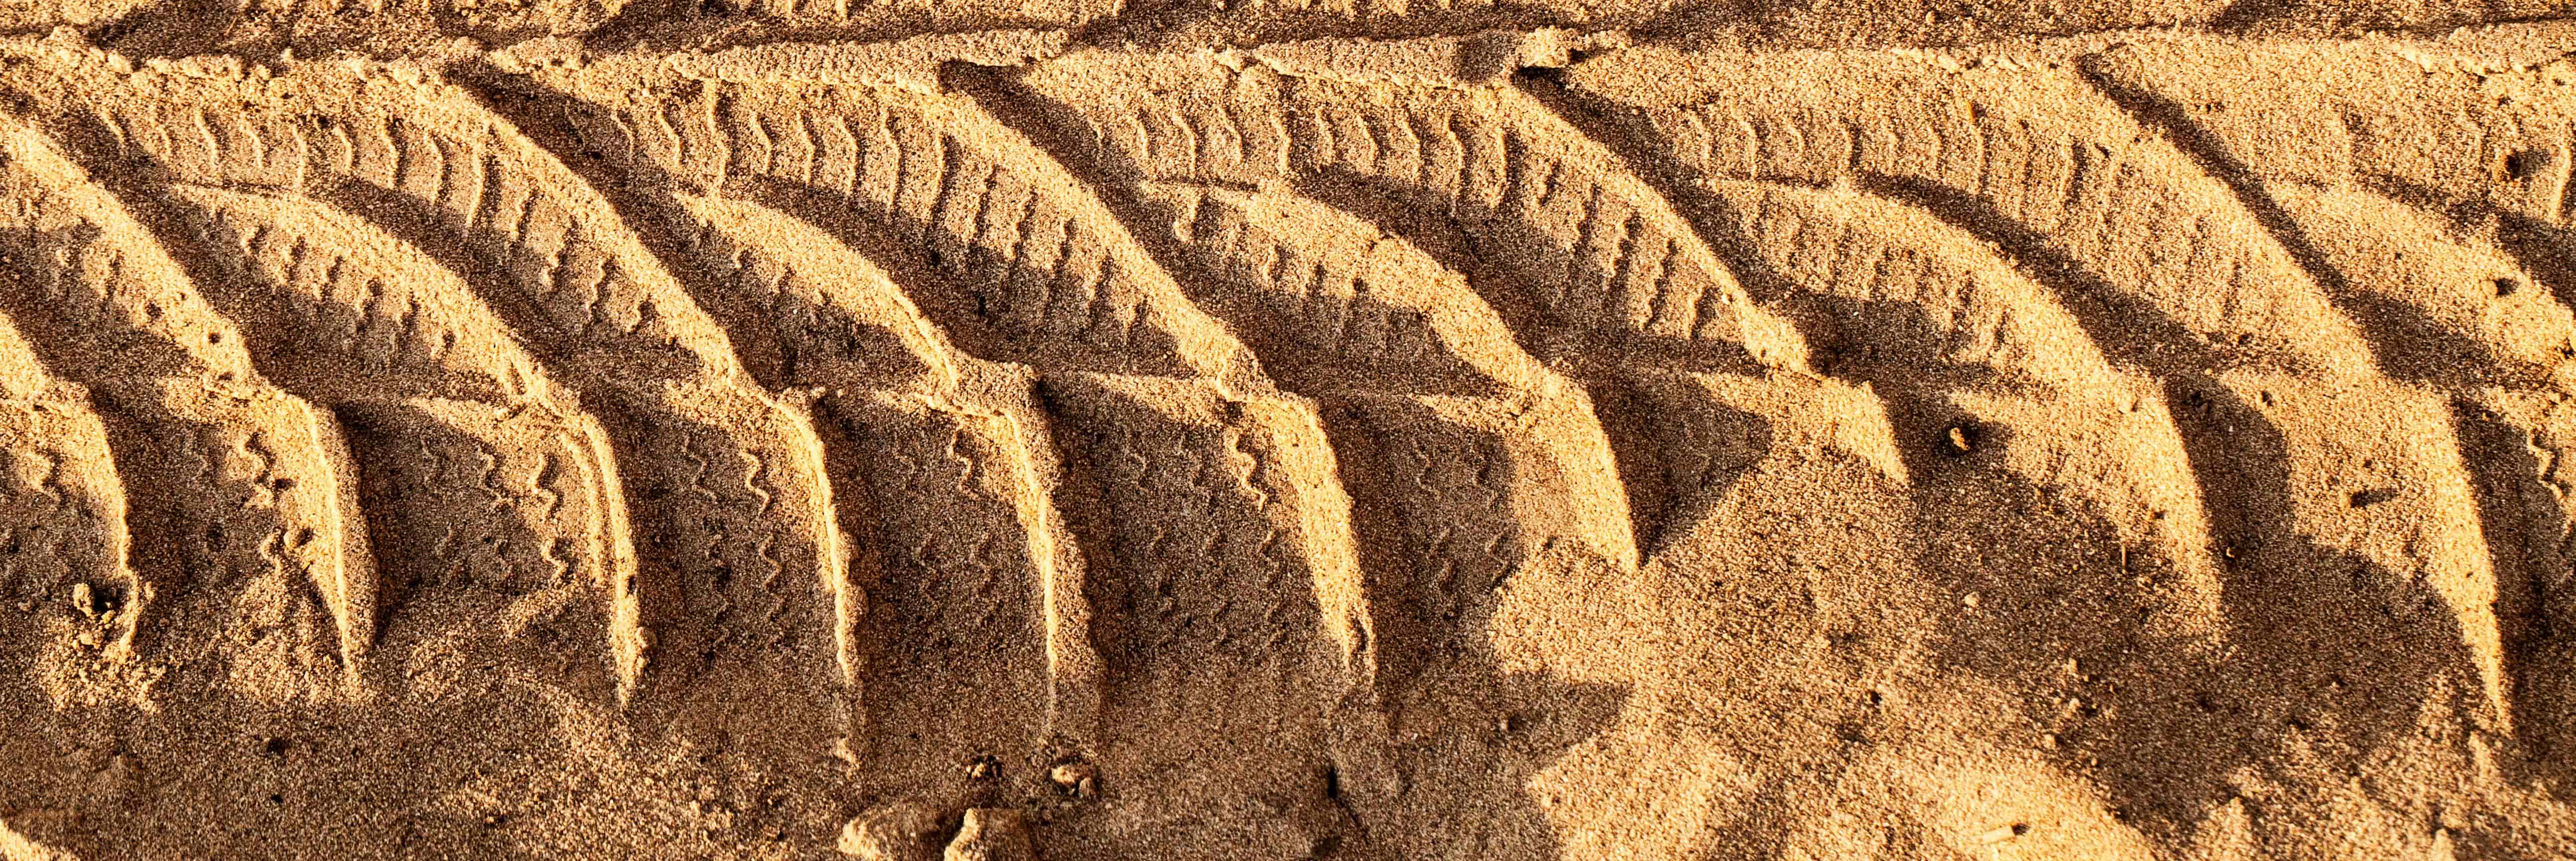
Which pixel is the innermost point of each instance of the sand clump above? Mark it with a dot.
(1091, 431)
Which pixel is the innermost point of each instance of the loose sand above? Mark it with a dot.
(796, 430)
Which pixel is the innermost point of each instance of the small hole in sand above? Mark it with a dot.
(2507, 286)
(2527, 163)
(98, 600)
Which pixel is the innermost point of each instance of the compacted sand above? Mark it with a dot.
(1344, 429)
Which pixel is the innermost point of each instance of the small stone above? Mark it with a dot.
(1959, 441)
(992, 834)
(1075, 775)
(897, 831)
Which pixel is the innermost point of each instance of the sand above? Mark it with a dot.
(574, 429)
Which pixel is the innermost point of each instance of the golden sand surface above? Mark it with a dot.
(1287, 429)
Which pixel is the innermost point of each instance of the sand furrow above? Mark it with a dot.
(1358, 162)
(1459, 376)
(451, 375)
(951, 454)
(2267, 348)
(579, 290)
(2450, 252)
(281, 515)
(70, 573)
(2015, 373)
(970, 212)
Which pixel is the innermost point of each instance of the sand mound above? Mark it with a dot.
(1476, 431)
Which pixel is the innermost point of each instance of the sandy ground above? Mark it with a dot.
(799, 430)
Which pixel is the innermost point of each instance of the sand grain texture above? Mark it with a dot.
(1476, 430)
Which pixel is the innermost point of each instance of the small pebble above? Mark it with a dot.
(897, 831)
(1068, 773)
(992, 834)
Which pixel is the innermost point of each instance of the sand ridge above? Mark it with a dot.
(1457, 432)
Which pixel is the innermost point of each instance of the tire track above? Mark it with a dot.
(2440, 290)
(447, 369)
(896, 389)
(1022, 265)
(2015, 372)
(918, 182)
(1155, 137)
(106, 301)
(2243, 337)
(1751, 369)
(1397, 346)
(579, 288)
(68, 573)
(1461, 449)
